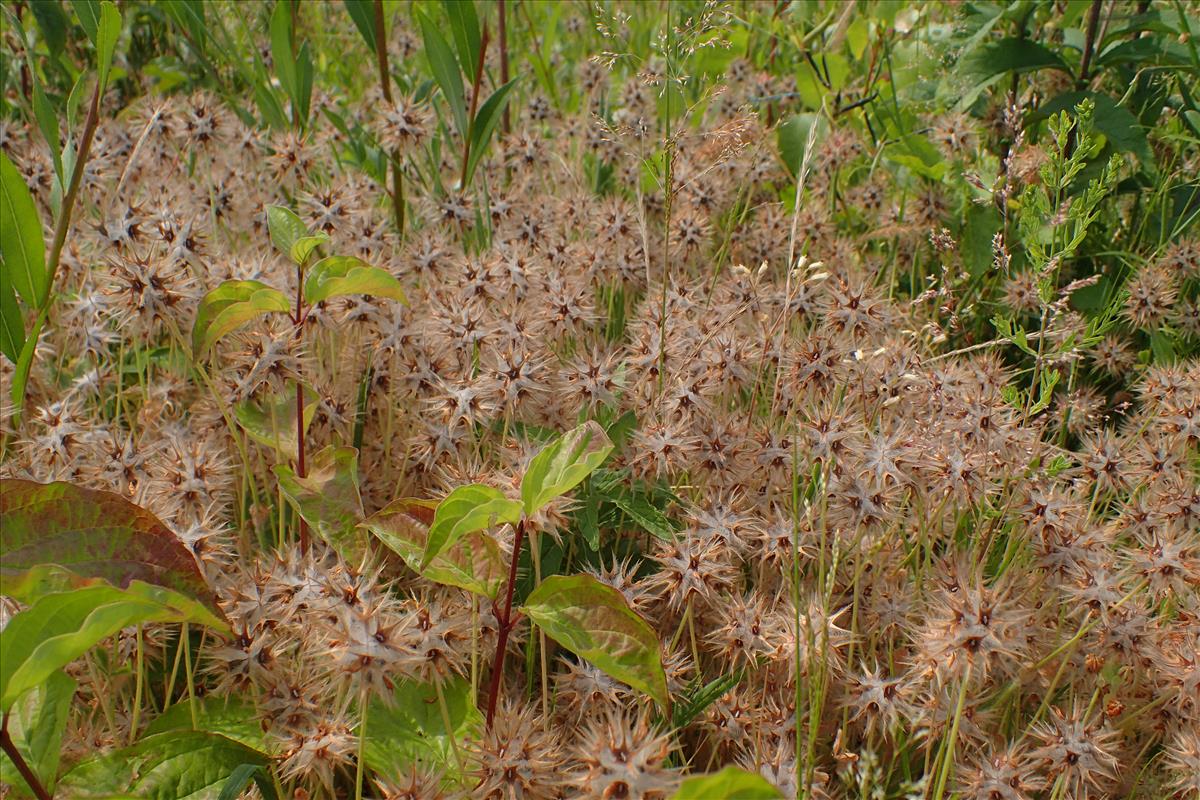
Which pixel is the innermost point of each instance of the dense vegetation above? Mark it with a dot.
(520, 400)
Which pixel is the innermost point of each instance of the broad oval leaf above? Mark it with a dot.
(92, 534)
(303, 247)
(407, 728)
(730, 783)
(328, 499)
(341, 275)
(61, 626)
(232, 717)
(465, 510)
(560, 466)
(473, 563)
(12, 323)
(285, 227)
(273, 422)
(21, 243)
(36, 724)
(230, 306)
(164, 766)
(594, 621)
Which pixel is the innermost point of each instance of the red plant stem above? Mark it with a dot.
(1089, 43)
(301, 470)
(10, 749)
(483, 45)
(503, 57)
(506, 625)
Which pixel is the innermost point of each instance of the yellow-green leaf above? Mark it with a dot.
(594, 621)
(230, 306)
(466, 510)
(328, 499)
(562, 465)
(342, 275)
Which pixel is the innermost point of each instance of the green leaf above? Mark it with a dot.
(53, 23)
(88, 12)
(303, 247)
(730, 783)
(230, 306)
(304, 84)
(273, 423)
(699, 698)
(179, 765)
(12, 323)
(465, 510)
(464, 25)
(24, 364)
(232, 717)
(94, 535)
(47, 121)
(363, 15)
(793, 136)
(1008, 55)
(594, 621)
(281, 53)
(328, 499)
(341, 275)
(286, 228)
(559, 468)
(409, 728)
(445, 71)
(484, 124)
(36, 725)
(61, 626)
(474, 563)
(107, 32)
(21, 243)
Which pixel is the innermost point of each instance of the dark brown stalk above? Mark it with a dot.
(475, 87)
(385, 83)
(301, 469)
(506, 625)
(503, 57)
(10, 749)
(1089, 43)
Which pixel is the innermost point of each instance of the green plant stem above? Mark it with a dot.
(385, 84)
(445, 709)
(360, 766)
(502, 34)
(301, 469)
(506, 625)
(138, 686)
(10, 749)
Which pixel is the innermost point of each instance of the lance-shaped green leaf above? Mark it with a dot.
(61, 626)
(341, 275)
(12, 323)
(21, 243)
(285, 227)
(484, 124)
(36, 724)
(446, 71)
(328, 499)
(91, 534)
(272, 423)
(465, 510)
(730, 783)
(562, 465)
(594, 621)
(107, 33)
(230, 306)
(361, 13)
(164, 766)
(473, 563)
